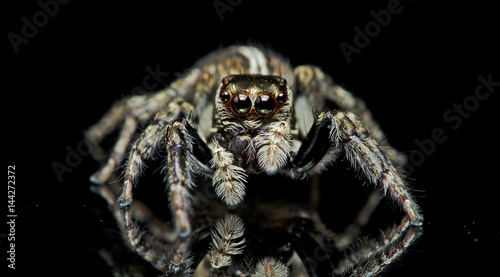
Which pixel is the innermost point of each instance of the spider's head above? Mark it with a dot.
(253, 114)
(253, 97)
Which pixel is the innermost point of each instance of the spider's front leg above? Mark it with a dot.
(186, 153)
(228, 179)
(335, 130)
(320, 89)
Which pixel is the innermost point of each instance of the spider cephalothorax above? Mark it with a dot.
(253, 114)
(250, 127)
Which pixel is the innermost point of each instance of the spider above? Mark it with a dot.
(240, 123)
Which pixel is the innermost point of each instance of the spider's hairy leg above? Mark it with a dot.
(270, 267)
(318, 86)
(128, 130)
(274, 147)
(132, 111)
(96, 133)
(141, 150)
(370, 257)
(364, 152)
(105, 126)
(186, 153)
(178, 174)
(178, 136)
(228, 179)
(344, 130)
(179, 144)
(226, 240)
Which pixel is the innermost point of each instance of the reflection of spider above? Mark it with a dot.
(246, 134)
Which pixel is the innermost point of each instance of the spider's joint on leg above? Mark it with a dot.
(124, 203)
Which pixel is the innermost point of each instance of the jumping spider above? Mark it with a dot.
(240, 115)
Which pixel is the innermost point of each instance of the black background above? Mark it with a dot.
(88, 55)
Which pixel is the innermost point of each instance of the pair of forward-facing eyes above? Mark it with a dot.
(266, 103)
(241, 102)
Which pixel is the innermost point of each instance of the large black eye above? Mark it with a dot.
(224, 96)
(264, 104)
(283, 82)
(241, 103)
(281, 98)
